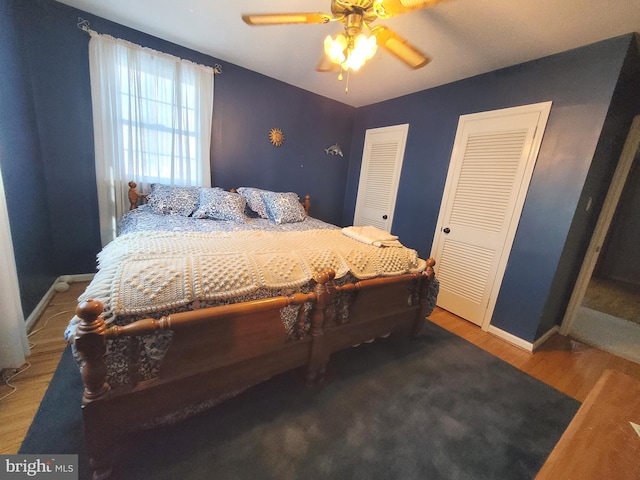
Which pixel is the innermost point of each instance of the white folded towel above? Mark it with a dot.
(372, 236)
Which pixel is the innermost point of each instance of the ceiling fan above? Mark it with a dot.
(359, 42)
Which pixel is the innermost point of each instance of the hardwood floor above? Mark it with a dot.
(561, 362)
(17, 410)
(567, 365)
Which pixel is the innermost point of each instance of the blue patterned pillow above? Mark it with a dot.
(254, 200)
(283, 207)
(219, 204)
(173, 200)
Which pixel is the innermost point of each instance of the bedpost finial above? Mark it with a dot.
(428, 271)
(89, 309)
(326, 275)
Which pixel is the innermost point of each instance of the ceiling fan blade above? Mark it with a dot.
(398, 46)
(285, 18)
(391, 8)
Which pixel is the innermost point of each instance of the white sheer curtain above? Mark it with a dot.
(14, 345)
(152, 116)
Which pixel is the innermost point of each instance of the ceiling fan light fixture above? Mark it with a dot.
(358, 42)
(364, 48)
(350, 53)
(335, 48)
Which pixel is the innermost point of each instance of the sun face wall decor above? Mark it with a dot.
(276, 137)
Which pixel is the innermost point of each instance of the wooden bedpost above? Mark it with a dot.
(90, 343)
(424, 287)
(134, 196)
(319, 355)
(306, 203)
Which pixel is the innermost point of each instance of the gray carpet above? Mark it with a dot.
(436, 408)
(606, 332)
(618, 299)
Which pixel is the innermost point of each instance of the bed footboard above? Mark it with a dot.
(220, 350)
(376, 308)
(213, 351)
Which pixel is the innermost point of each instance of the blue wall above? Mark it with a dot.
(247, 106)
(580, 83)
(47, 108)
(620, 257)
(625, 104)
(22, 168)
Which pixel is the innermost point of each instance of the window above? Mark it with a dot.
(152, 122)
(157, 128)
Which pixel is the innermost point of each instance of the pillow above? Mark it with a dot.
(219, 204)
(254, 200)
(173, 200)
(283, 207)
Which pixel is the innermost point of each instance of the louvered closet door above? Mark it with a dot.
(380, 175)
(491, 166)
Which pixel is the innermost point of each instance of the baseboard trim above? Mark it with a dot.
(518, 342)
(512, 339)
(59, 285)
(545, 337)
(40, 307)
(82, 277)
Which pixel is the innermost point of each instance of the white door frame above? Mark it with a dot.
(544, 109)
(602, 226)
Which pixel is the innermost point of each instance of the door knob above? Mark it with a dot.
(384, 217)
(446, 230)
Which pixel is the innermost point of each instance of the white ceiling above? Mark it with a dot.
(463, 37)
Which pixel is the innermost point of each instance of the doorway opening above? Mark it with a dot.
(604, 310)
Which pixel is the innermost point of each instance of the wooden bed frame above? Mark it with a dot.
(218, 350)
(215, 352)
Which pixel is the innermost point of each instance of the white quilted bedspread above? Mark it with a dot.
(141, 273)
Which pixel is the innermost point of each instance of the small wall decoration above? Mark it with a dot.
(334, 150)
(276, 136)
